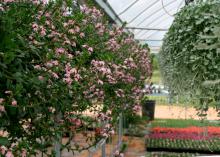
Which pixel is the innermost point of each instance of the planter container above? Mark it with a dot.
(148, 109)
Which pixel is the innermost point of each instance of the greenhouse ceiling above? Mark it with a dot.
(149, 20)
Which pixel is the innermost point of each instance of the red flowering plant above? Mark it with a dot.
(191, 129)
(57, 62)
(189, 133)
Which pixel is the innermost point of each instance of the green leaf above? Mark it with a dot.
(4, 141)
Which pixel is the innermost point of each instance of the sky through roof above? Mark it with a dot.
(153, 17)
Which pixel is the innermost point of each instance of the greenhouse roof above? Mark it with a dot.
(148, 20)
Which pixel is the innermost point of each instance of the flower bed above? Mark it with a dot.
(190, 139)
(169, 154)
(192, 129)
(178, 145)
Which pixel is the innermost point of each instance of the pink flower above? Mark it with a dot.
(105, 135)
(1, 100)
(43, 32)
(71, 22)
(70, 56)
(2, 9)
(14, 103)
(65, 24)
(47, 14)
(116, 153)
(49, 64)
(8, 92)
(68, 80)
(112, 132)
(35, 26)
(38, 67)
(71, 31)
(2, 108)
(55, 62)
(120, 93)
(100, 82)
(90, 49)
(36, 2)
(73, 44)
(121, 155)
(67, 42)
(77, 29)
(9, 154)
(60, 50)
(24, 153)
(84, 46)
(2, 150)
(51, 109)
(41, 78)
(136, 108)
(78, 122)
(55, 75)
(82, 35)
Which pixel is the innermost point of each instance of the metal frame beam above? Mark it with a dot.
(151, 5)
(150, 40)
(155, 12)
(149, 29)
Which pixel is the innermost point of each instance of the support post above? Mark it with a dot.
(58, 139)
(103, 149)
(120, 131)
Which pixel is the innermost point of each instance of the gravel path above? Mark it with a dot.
(178, 112)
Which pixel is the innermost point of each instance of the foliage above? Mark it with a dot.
(154, 60)
(55, 64)
(156, 77)
(184, 145)
(170, 154)
(190, 52)
(182, 123)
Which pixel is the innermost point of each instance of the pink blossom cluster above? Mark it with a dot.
(12, 100)
(94, 92)
(129, 62)
(100, 66)
(113, 45)
(92, 12)
(105, 131)
(101, 28)
(8, 152)
(84, 67)
(71, 74)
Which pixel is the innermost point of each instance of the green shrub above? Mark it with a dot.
(190, 53)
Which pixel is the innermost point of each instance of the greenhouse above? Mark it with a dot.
(109, 78)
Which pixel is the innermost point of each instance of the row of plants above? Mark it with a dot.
(57, 61)
(183, 136)
(211, 130)
(182, 123)
(208, 146)
(169, 154)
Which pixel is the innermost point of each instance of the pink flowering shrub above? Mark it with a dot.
(56, 63)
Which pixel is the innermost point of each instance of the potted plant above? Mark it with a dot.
(148, 108)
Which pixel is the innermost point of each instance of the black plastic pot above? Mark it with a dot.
(148, 109)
